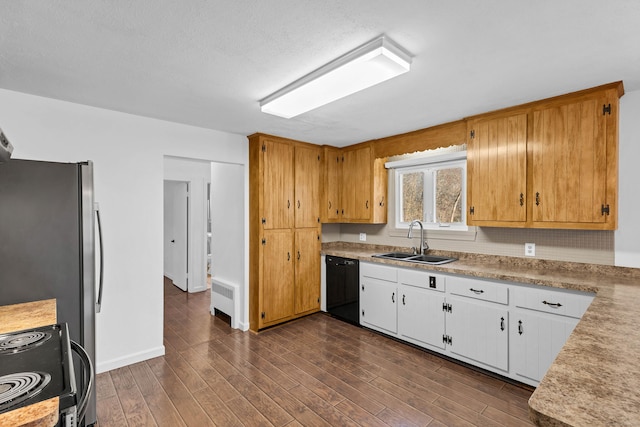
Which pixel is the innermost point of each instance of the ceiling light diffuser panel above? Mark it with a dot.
(372, 63)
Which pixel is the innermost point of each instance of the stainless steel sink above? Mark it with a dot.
(395, 255)
(431, 259)
(421, 259)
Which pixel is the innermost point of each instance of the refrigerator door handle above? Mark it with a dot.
(101, 281)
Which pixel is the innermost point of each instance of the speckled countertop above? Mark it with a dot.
(595, 380)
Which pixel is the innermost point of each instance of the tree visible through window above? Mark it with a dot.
(412, 196)
(448, 195)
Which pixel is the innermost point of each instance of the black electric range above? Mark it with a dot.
(36, 365)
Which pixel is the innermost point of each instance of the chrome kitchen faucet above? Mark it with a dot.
(424, 247)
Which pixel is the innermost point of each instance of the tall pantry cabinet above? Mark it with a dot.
(284, 229)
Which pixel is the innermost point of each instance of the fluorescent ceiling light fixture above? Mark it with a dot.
(370, 64)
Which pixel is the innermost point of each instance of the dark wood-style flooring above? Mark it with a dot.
(316, 371)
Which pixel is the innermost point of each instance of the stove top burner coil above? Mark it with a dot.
(16, 343)
(18, 387)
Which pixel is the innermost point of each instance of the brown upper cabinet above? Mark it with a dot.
(331, 201)
(291, 183)
(497, 170)
(547, 164)
(278, 189)
(355, 186)
(307, 172)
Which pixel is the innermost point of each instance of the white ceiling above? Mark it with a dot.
(208, 62)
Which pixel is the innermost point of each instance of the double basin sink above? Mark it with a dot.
(421, 259)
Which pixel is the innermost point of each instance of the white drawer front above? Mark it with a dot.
(422, 279)
(564, 303)
(378, 271)
(479, 289)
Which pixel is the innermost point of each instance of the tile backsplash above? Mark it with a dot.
(586, 246)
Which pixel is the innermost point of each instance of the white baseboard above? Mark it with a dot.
(243, 326)
(129, 359)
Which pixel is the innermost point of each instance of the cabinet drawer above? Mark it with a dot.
(377, 271)
(562, 302)
(479, 289)
(422, 279)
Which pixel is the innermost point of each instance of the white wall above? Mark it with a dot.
(230, 242)
(128, 153)
(627, 237)
(198, 174)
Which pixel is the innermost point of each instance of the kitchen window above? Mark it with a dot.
(431, 189)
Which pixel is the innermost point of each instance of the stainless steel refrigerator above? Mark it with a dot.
(47, 250)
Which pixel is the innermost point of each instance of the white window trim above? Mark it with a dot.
(449, 232)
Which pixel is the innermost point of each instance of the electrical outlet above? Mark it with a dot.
(529, 249)
(363, 237)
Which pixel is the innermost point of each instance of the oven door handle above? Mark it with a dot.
(87, 368)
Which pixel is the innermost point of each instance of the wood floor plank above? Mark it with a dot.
(160, 405)
(259, 363)
(104, 386)
(355, 412)
(327, 377)
(212, 377)
(133, 404)
(185, 372)
(314, 371)
(110, 412)
(323, 408)
(216, 409)
(248, 415)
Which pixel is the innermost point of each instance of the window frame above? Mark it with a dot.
(429, 165)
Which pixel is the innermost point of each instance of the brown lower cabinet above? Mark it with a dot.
(288, 284)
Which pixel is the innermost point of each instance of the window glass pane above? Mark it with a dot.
(412, 196)
(448, 189)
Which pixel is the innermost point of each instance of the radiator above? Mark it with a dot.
(225, 297)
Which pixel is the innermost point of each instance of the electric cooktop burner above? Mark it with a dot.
(36, 365)
(16, 343)
(18, 387)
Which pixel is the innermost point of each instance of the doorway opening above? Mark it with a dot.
(216, 250)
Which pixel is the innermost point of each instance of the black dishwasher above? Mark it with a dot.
(343, 296)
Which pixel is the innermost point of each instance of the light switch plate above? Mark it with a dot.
(529, 249)
(363, 237)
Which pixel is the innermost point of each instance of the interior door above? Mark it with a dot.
(177, 232)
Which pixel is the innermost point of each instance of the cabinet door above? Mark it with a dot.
(357, 181)
(570, 163)
(276, 289)
(497, 170)
(479, 331)
(536, 341)
(378, 304)
(308, 162)
(278, 184)
(307, 270)
(331, 209)
(420, 315)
